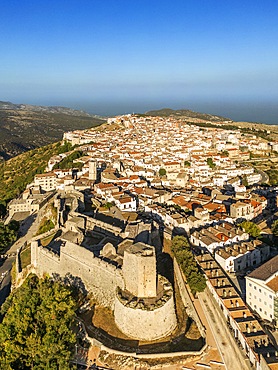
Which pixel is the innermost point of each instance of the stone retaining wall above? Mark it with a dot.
(145, 324)
(186, 299)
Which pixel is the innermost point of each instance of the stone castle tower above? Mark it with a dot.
(145, 309)
(139, 270)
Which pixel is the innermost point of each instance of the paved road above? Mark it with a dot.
(28, 230)
(231, 355)
(265, 178)
(5, 280)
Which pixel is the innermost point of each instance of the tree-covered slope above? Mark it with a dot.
(17, 172)
(27, 127)
(36, 332)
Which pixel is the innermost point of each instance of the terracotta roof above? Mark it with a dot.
(101, 185)
(180, 201)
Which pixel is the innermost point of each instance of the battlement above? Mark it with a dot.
(49, 253)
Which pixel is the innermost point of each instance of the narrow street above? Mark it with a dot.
(28, 230)
(231, 355)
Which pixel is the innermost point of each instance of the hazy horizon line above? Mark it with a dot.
(263, 113)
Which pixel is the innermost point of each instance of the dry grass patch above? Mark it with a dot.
(25, 257)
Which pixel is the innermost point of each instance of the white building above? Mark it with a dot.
(46, 181)
(262, 290)
(253, 178)
(242, 210)
(220, 235)
(237, 257)
(126, 203)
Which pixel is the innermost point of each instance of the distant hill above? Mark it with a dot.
(47, 109)
(24, 127)
(183, 113)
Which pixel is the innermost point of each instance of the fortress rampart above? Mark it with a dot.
(147, 313)
(93, 223)
(145, 324)
(100, 278)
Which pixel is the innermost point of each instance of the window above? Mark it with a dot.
(250, 284)
(265, 303)
(260, 310)
(260, 290)
(255, 287)
(270, 306)
(255, 306)
(270, 316)
(270, 296)
(250, 294)
(260, 300)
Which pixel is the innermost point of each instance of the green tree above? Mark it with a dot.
(187, 164)
(251, 228)
(244, 181)
(108, 205)
(185, 258)
(274, 228)
(14, 225)
(211, 163)
(8, 234)
(36, 329)
(68, 161)
(162, 172)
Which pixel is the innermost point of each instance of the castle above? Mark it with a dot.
(117, 266)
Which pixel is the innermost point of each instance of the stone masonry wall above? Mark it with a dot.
(145, 324)
(190, 309)
(140, 274)
(94, 224)
(99, 277)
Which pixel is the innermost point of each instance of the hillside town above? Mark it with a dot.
(141, 180)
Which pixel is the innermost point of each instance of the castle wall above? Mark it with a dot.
(99, 277)
(44, 260)
(97, 225)
(186, 299)
(145, 324)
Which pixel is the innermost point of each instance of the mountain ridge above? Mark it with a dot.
(24, 127)
(6, 105)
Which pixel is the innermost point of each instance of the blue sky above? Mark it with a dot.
(113, 56)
